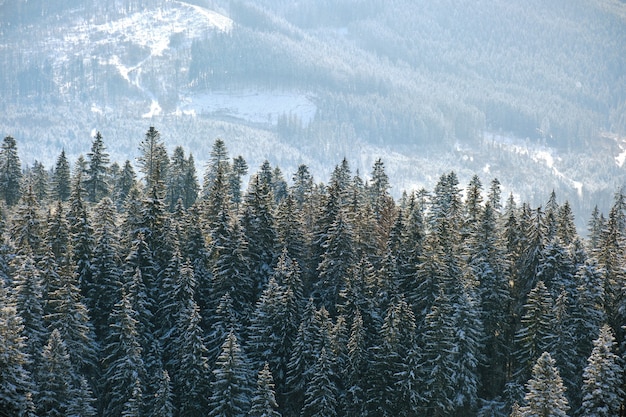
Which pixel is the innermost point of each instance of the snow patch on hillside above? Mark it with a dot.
(538, 153)
(153, 29)
(263, 107)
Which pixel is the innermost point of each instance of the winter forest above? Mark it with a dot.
(147, 289)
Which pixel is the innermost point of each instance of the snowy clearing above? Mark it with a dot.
(252, 106)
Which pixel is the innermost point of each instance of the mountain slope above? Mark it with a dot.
(533, 93)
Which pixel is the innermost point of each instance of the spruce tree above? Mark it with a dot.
(536, 332)
(27, 228)
(123, 363)
(61, 186)
(337, 258)
(39, 178)
(153, 160)
(96, 182)
(16, 388)
(545, 393)
(602, 391)
(320, 397)
(55, 379)
(231, 387)
(28, 290)
(126, 181)
(263, 400)
(10, 172)
(190, 368)
(218, 162)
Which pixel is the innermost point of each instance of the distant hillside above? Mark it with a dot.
(426, 85)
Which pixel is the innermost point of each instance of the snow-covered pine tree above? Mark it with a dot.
(603, 377)
(10, 172)
(67, 312)
(28, 293)
(27, 229)
(190, 369)
(320, 397)
(536, 331)
(16, 387)
(545, 393)
(231, 386)
(337, 258)
(96, 181)
(55, 388)
(61, 178)
(273, 328)
(264, 400)
(123, 362)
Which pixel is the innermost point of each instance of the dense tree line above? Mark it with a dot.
(133, 296)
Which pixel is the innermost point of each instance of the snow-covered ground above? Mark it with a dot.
(252, 106)
(538, 153)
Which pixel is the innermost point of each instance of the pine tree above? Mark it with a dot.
(61, 178)
(356, 368)
(223, 322)
(10, 172)
(96, 182)
(309, 341)
(153, 160)
(28, 290)
(27, 229)
(82, 403)
(393, 389)
(437, 360)
(588, 312)
(336, 260)
(320, 398)
(231, 388)
(536, 332)
(82, 236)
(16, 387)
(273, 328)
(602, 391)
(258, 225)
(102, 284)
(488, 264)
(123, 363)
(126, 181)
(67, 313)
(190, 368)
(39, 178)
(55, 378)
(58, 235)
(240, 168)
(218, 162)
(162, 403)
(263, 400)
(545, 393)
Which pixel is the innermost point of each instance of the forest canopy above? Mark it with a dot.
(168, 294)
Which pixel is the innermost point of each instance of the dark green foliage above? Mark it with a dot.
(55, 392)
(263, 401)
(231, 386)
(10, 172)
(61, 185)
(545, 393)
(435, 305)
(96, 181)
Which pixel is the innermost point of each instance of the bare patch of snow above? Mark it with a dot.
(538, 153)
(253, 106)
(620, 159)
(155, 110)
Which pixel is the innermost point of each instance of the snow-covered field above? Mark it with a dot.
(252, 106)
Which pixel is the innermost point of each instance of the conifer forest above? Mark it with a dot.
(155, 288)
